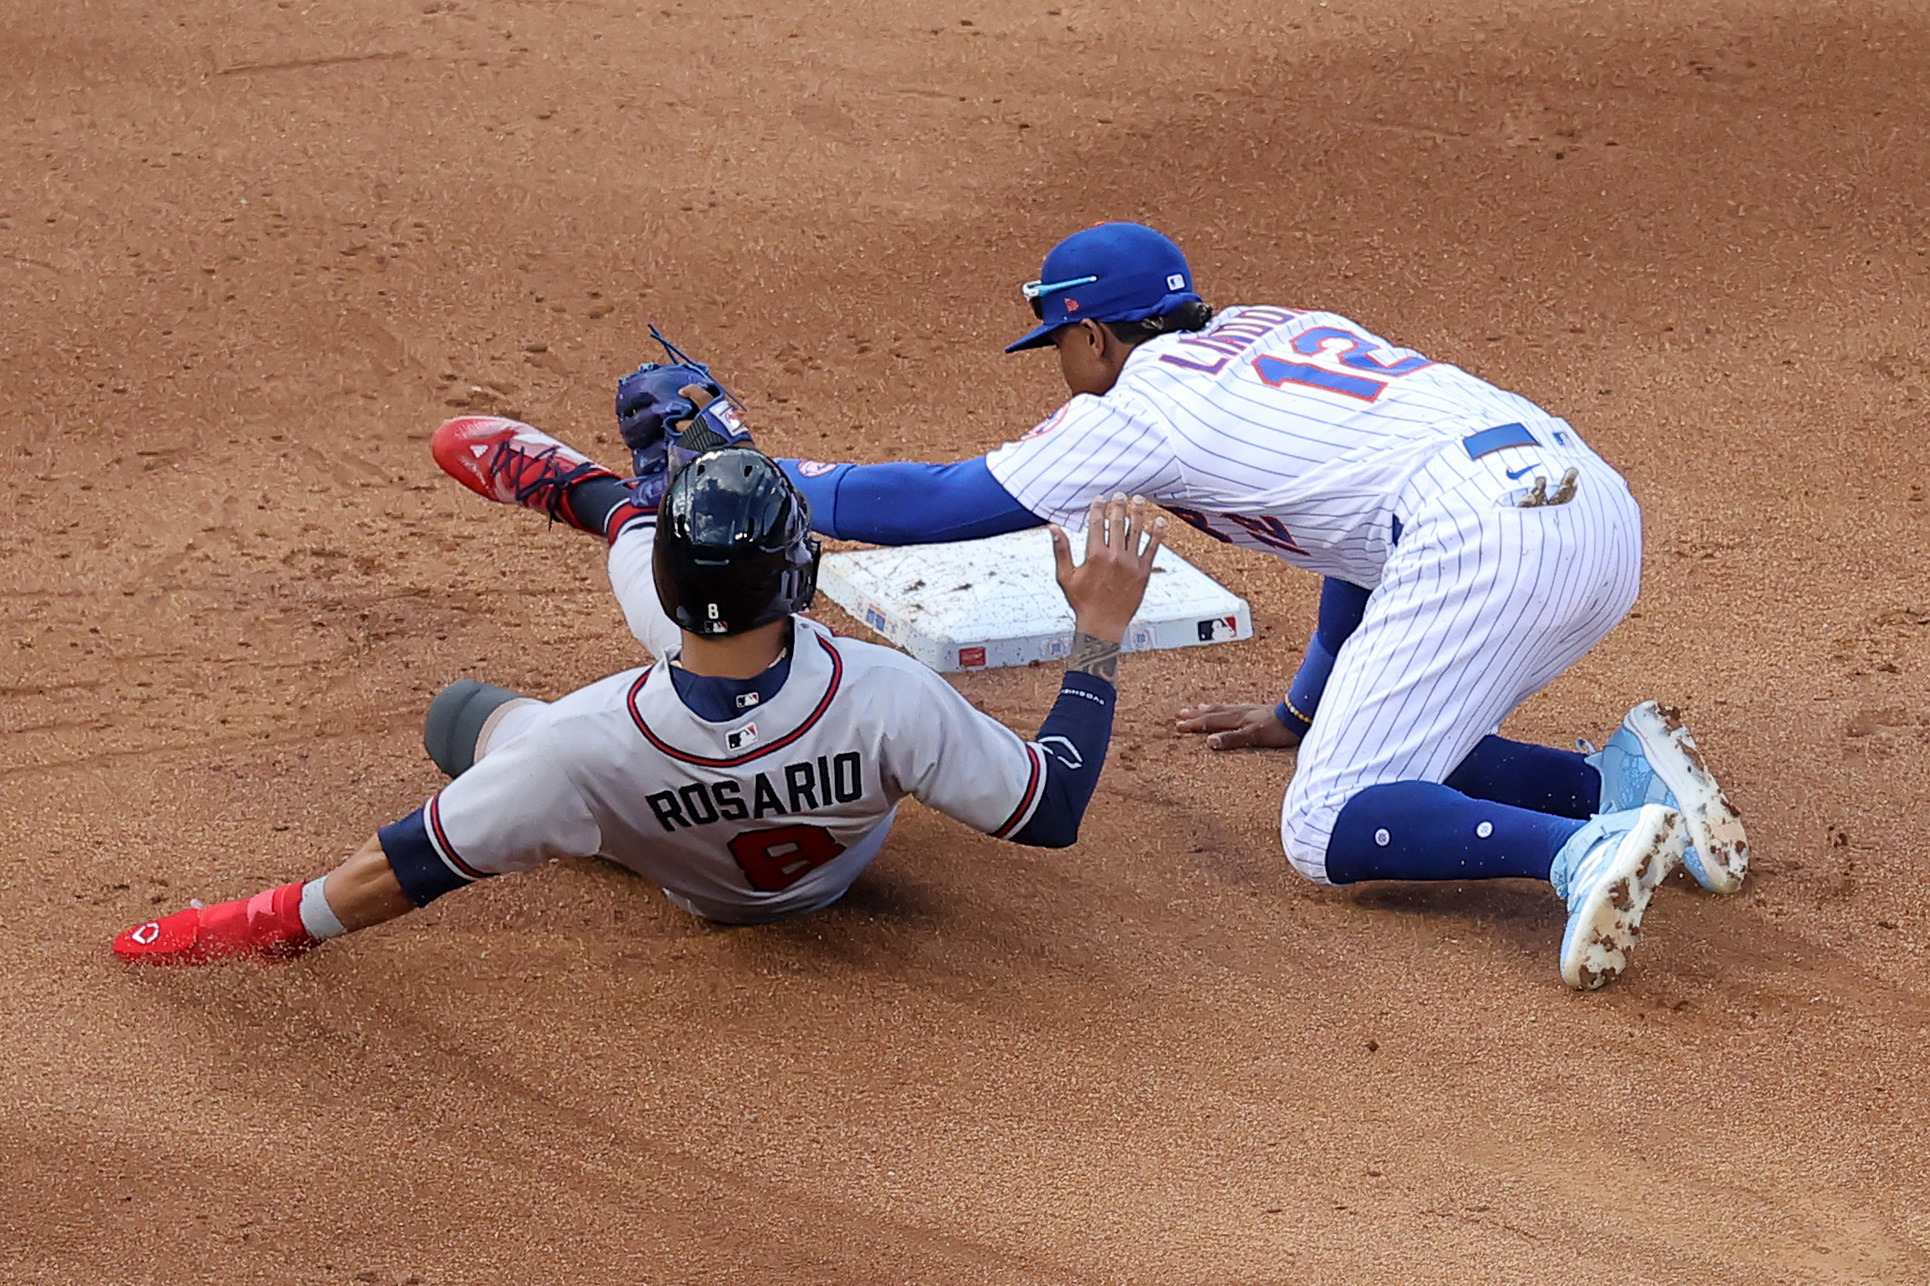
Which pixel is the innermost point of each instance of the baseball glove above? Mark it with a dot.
(670, 412)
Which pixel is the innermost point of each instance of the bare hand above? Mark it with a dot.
(1105, 590)
(1237, 727)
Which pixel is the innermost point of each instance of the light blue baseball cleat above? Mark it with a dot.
(1652, 759)
(1606, 873)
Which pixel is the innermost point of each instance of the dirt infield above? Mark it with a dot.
(253, 254)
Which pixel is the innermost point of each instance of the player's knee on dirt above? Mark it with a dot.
(455, 722)
(1306, 825)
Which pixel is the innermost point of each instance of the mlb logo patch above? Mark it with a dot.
(1219, 627)
(971, 657)
(745, 700)
(742, 737)
(1176, 282)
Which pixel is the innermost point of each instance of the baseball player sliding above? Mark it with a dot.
(754, 770)
(1473, 547)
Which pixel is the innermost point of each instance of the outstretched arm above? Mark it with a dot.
(1104, 590)
(972, 767)
(364, 890)
(407, 864)
(275, 924)
(908, 504)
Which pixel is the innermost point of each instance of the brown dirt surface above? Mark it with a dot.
(253, 254)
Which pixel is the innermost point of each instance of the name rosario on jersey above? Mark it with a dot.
(800, 787)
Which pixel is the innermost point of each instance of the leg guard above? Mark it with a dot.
(455, 722)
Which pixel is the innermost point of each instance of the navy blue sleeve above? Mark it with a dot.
(1074, 737)
(418, 868)
(1341, 607)
(908, 504)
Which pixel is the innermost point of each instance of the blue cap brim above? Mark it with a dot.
(1037, 337)
(1041, 335)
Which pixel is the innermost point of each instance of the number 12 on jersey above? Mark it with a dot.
(1339, 361)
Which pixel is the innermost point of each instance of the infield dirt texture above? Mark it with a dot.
(252, 254)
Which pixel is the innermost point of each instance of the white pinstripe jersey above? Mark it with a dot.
(761, 816)
(1292, 432)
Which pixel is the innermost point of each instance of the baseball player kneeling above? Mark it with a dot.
(1473, 546)
(754, 770)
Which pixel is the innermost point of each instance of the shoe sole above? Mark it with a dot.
(1601, 932)
(1715, 824)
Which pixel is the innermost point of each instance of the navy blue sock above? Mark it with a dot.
(1417, 830)
(587, 505)
(1547, 780)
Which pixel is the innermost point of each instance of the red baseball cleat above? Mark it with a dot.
(515, 464)
(266, 927)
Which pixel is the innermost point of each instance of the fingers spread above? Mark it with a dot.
(1061, 551)
(1155, 537)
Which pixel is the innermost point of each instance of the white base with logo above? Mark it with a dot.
(981, 604)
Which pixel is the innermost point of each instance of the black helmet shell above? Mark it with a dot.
(734, 544)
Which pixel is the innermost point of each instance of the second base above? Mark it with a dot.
(981, 604)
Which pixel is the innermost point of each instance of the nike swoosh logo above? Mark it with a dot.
(1514, 474)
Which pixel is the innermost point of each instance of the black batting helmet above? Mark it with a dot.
(734, 544)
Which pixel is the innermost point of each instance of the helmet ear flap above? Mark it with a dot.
(805, 590)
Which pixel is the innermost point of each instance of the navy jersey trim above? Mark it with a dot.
(1020, 814)
(420, 861)
(446, 850)
(830, 693)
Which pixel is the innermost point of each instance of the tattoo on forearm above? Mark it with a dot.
(1094, 656)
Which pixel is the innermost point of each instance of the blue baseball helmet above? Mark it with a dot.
(1111, 272)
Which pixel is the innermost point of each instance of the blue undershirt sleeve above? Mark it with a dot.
(1074, 737)
(908, 504)
(1341, 607)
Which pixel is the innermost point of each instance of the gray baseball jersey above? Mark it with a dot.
(772, 813)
